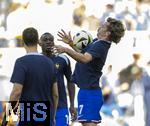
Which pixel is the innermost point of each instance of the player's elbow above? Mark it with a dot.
(55, 96)
(55, 91)
(84, 61)
(86, 58)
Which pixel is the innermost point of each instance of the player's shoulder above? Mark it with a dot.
(64, 57)
(35, 57)
(95, 42)
(47, 59)
(100, 44)
(22, 58)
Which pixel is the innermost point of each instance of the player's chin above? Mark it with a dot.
(48, 50)
(98, 36)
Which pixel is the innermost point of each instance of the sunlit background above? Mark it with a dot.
(125, 102)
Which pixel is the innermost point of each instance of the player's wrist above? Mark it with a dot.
(70, 43)
(65, 50)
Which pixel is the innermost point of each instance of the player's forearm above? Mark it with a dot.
(74, 48)
(15, 94)
(76, 55)
(55, 102)
(14, 98)
(71, 90)
(55, 96)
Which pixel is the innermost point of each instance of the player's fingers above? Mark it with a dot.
(70, 36)
(55, 51)
(60, 34)
(65, 34)
(69, 33)
(63, 40)
(73, 117)
(59, 40)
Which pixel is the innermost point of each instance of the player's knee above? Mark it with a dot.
(89, 124)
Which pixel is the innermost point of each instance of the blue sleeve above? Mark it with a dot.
(54, 79)
(96, 50)
(18, 75)
(67, 70)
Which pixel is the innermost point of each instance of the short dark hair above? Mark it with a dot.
(30, 36)
(116, 29)
(49, 34)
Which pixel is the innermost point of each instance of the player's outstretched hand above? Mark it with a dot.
(64, 37)
(59, 49)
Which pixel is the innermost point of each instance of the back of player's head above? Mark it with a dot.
(116, 29)
(30, 36)
(51, 37)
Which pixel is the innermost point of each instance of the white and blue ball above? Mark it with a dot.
(82, 39)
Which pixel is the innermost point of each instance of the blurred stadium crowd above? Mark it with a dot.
(17, 14)
(125, 81)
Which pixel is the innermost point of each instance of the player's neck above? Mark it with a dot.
(104, 38)
(48, 54)
(31, 49)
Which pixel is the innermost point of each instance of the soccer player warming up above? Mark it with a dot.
(63, 68)
(34, 85)
(88, 69)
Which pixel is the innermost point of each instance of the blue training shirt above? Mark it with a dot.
(36, 73)
(87, 75)
(62, 65)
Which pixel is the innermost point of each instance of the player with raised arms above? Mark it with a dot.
(88, 69)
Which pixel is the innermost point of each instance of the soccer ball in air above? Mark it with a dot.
(82, 39)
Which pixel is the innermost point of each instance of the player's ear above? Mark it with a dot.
(108, 33)
(40, 43)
